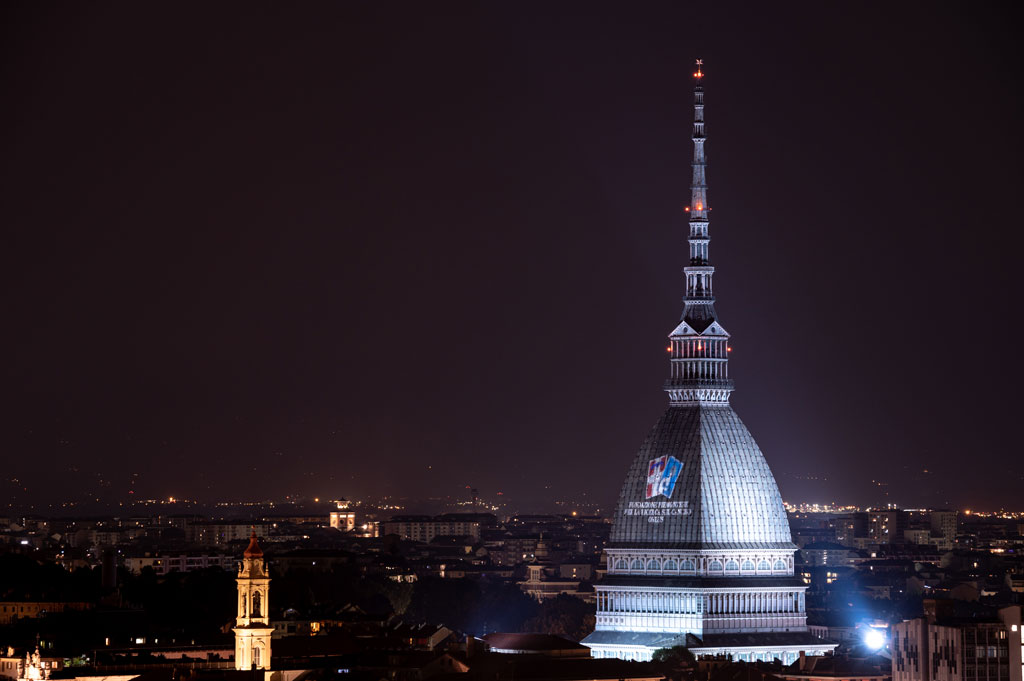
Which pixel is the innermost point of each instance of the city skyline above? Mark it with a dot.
(366, 256)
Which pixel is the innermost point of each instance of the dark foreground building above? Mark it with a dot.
(700, 551)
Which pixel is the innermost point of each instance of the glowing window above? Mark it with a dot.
(637, 565)
(715, 566)
(779, 565)
(748, 565)
(621, 564)
(670, 565)
(653, 565)
(688, 565)
(763, 565)
(731, 566)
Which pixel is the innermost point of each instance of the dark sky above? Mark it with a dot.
(356, 248)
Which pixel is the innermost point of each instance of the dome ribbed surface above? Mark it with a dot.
(724, 497)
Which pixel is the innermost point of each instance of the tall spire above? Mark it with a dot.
(698, 305)
(699, 346)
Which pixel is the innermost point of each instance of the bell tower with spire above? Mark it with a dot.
(252, 626)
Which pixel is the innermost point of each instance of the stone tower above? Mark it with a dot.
(700, 553)
(252, 626)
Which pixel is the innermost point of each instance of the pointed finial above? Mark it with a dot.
(254, 550)
(699, 74)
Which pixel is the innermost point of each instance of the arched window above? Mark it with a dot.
(688, 566)
(637, 565)
(256, 657)
(780, 565)
(242, 606)
(256, 604)
(748, 565)
(763, 566)
(715, 566)
(621, 564)
(652, 564)
(731, 566)
(670, 566)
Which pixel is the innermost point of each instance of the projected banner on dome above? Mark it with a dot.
(655, 510)
(662, 474)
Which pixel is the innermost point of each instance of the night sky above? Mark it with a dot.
(357, 248)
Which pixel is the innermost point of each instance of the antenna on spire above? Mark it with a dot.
(699, 74)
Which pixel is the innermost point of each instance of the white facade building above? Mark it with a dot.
(164, 564)
(425, 528)
(935, 648)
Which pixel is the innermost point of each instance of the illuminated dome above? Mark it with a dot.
(722, 497)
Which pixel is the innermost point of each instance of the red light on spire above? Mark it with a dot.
(668, 349)
(728, 348)
(687, 209)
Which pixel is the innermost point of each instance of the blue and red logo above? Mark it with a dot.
(662, 474)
